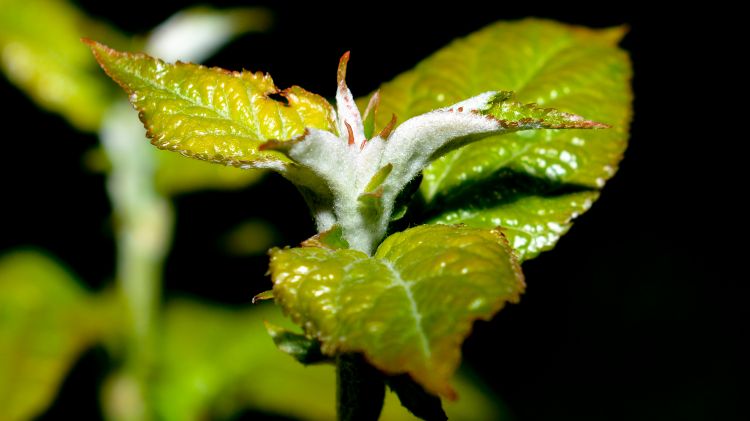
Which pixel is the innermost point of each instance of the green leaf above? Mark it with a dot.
(407, 308)
(573, 69)
(46, 321)
(41, 53)
(213, 114)
(332, 239)
(300, 347)
(531, 218)
(378, 179)
(214, 362)
(263, 296)
(513, 114)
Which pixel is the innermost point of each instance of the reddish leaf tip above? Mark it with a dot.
(596, 125)
(341, 74)
(372, 105)
(263, 296)
(388, 129)
(351, 133)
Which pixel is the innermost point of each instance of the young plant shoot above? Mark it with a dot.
(500, 182)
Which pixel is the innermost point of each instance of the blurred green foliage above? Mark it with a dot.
(42, 55)
(47, 320)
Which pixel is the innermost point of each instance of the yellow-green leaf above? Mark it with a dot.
(572, 69)
(213, 114)
(410, 306)
(46, 321)
(41, 53)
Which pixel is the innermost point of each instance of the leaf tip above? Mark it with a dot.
(333, 239)
(369, 117)
(263, 296)
(615, 34)
(597, 125)
(350, 133)
(343, 62)
(388, 129)
(97, 48)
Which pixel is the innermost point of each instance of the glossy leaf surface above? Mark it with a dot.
(532, 222)
(570, 68)
(213, 114)
(410, 306)
(46, 321)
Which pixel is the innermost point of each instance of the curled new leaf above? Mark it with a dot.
(375, 171)
(407, 308)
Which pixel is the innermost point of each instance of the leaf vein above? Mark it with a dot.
(414, 308)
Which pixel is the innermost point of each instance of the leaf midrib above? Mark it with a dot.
(398, 281)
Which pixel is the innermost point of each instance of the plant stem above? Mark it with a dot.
(360, 389)
(144, 222)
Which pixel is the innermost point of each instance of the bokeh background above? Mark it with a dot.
(634, 316)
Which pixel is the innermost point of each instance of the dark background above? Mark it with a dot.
(634, 316)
